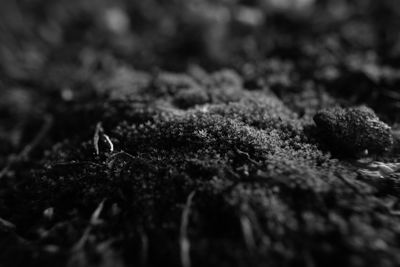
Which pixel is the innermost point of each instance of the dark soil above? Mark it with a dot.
(199, 133)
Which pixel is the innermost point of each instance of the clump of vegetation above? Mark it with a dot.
(354, 130)
(148, 133)
(190, 98)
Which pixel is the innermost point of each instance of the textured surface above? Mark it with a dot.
(144, 133)
(354, 130)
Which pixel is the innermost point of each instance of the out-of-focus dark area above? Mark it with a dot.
(157, 34)
(60, 50)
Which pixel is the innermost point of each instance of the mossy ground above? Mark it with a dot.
(119, 146)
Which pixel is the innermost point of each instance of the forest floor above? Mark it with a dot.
(200, 133)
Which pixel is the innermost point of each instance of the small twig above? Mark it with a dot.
(47, 124)
(242, 153)
(183, 238)
(122, 153)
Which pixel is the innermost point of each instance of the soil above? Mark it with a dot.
(199, 133)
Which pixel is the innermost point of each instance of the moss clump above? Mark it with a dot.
(258, 110)
(354, 130)
(171, 83)
(192, 97)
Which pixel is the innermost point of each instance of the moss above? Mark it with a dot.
(354, 130)
(190, 98)
(225, 86)
(172, 83)
(239, 133)
(258, 110)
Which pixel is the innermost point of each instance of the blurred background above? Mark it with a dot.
(173, 34)
(57, 51)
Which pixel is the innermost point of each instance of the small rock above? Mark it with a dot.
(354, 130)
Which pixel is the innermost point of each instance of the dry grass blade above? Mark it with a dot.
(96, 137)
(247, 230)
(96, 214)
(184, 242)
(94, 220)
(109, 142)
(82, 241)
